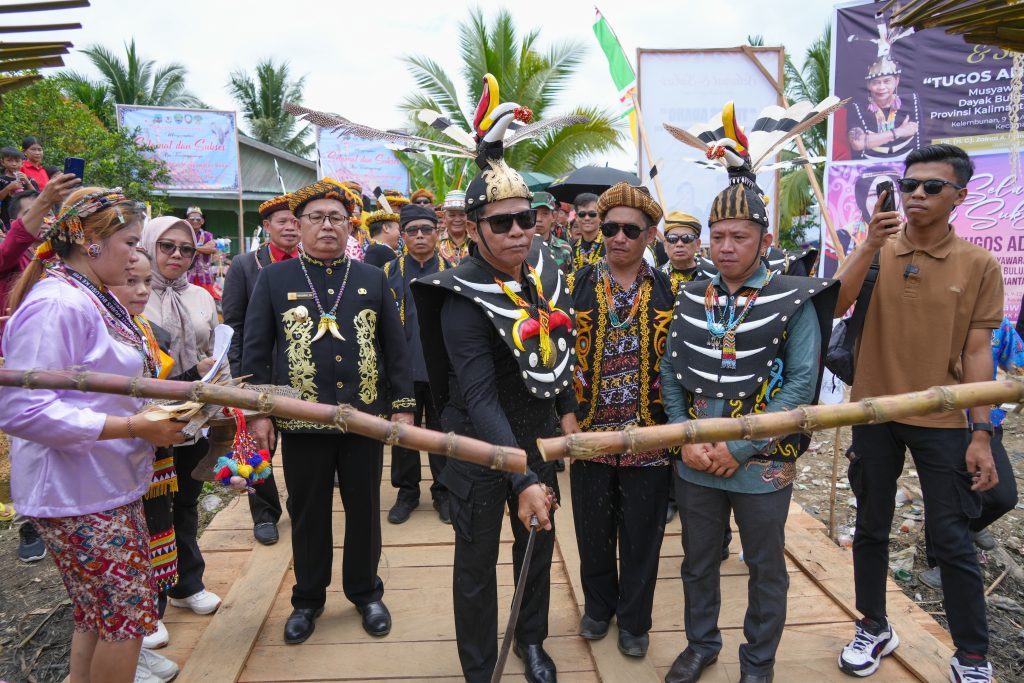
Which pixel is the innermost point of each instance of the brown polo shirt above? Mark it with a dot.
(917, 322)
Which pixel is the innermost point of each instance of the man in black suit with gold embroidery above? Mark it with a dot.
(328, 326)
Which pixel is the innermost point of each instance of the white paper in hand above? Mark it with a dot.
(221, 343)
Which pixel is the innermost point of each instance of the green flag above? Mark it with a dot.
(618, 63)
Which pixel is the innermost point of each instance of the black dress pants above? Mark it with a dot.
(619, 508)
(405, 463)
(310, 463)
(478, 499)
(185, 505)
(264, 501)
(877, 459)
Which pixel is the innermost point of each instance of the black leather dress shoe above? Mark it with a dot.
(376, 618)
(265, 533)
(400, 511)
(538, 664)
(757, 678)
(688, 667)
(300, 625)
(633, 646)
(592, 629)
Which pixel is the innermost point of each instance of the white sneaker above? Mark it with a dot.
(158, 639)
(144, 675)
(864, 653)
(959, 673)
(203, 602)
(158, 666)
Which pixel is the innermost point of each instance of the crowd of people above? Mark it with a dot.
(489, 313)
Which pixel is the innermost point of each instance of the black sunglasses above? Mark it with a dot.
(685, 239)
(931, 186)
(187, 251)
(612, 229)
(422, 201)
(502, 222)
(586, 214)
(420, 230)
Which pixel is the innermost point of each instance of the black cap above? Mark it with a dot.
(415, 212)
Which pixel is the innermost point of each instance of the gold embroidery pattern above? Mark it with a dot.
(403, 404)
(644, 385)
(298, 330)
(583, 329)
(365, 323)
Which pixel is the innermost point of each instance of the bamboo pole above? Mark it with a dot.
(343, 416)
(642, 132)
(819, 195)
(587, 445)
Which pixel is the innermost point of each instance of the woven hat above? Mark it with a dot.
(322, 189)
(635, 197)
(422, 192)
(379, 217)
(279, 203)
(678, 219)
(455, 200)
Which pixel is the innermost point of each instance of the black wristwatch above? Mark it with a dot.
(982, 427)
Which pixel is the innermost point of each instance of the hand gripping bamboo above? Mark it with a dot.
(587, 445)
(344, 416)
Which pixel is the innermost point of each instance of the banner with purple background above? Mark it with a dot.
(199, 146)
(369, 163)
(992, 216)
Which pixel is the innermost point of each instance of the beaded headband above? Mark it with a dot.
(68, 226)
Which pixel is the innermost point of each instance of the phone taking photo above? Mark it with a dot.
(75, 166)
(889, 203)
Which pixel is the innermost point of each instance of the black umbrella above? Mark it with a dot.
(594, 179)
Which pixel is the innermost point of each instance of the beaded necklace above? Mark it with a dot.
(588, 255)
(328, 320)
(613, 316)
(116, 317)
(723, 329)
(542, 310)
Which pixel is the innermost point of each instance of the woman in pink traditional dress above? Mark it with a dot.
(81, 462)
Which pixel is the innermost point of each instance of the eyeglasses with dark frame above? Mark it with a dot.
(419, 230)
(337, 219)
(610, 229)
(502, 222)
(687, 238)
(167, 248)
(931, 186)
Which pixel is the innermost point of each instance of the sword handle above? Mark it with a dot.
(534, 522)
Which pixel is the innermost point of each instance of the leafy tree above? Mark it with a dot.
(261, 100)
(527, 74)
(809, 81)
(133, 80)
(66, 127)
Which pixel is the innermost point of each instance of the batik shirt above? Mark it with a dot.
(454, 253)
(201, 272)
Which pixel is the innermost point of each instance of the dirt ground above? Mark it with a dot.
(36, 622)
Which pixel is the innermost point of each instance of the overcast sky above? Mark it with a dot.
(351, 51)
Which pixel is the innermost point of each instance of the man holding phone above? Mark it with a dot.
(931, 286)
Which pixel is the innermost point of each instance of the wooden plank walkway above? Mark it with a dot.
(243, 641)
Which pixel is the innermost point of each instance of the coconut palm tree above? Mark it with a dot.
(133, 80)
(527, 74)
(261, 97)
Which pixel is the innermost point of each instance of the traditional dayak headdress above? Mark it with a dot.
(635, 197)
(884, 65)
(724, 141)
(270, 206)
(322, 189)
(396, 199)
(68, 228)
